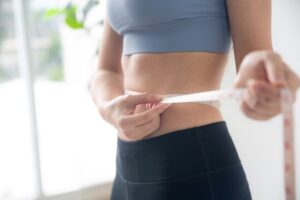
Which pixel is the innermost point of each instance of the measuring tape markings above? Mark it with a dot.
(288, 138)
(237, 94)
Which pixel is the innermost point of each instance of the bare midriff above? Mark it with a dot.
(177, 73)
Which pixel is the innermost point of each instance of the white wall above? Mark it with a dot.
(260, 143)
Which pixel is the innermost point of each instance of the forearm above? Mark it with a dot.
(106, 85)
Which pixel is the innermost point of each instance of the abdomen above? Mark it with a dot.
(183, 72)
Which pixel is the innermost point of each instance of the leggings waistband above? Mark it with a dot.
(196, 150)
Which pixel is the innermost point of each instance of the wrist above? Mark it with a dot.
(102, 110)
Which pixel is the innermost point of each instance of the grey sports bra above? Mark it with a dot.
(170, 25)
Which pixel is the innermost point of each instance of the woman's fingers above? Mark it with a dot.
(149, 127)
(136, 114)
(250, 97)
(292, 76)
(131, 100)
(261, 99)
(252, 113)
(139, 125)
(275, 68)
(148, 115)
(142, 130)
(143, 117)
(293, 81)
(268, 95)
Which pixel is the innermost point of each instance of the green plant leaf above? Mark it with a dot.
(50, 13)
(71, 18)
(72, 22)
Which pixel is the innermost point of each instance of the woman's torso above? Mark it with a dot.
(177, 72)
(172, 46)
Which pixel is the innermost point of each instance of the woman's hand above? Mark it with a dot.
(134, 115)
(263, 73)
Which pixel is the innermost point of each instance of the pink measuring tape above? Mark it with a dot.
(288, 125)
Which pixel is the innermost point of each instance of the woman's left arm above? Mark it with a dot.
(260, 70)
(250, 24)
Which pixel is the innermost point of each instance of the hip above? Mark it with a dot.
(200, 161)
(196, 150)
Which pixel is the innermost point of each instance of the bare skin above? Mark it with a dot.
(181, 72)
(187, 72)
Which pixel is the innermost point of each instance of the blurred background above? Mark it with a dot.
(53, 142)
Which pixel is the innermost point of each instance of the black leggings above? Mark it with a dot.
(198, 163)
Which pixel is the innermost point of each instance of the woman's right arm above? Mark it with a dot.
(107, 81)
(130, 114)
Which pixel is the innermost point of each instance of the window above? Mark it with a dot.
(16, 157)
(75, 148)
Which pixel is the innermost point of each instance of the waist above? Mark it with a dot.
(185, 115)
(177, 73)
